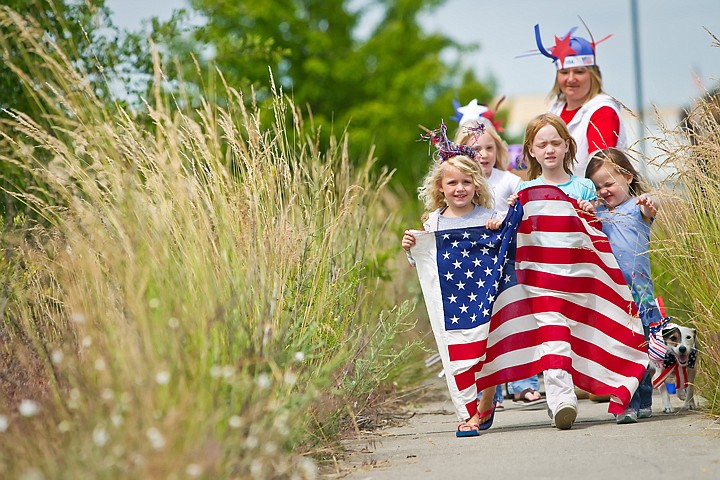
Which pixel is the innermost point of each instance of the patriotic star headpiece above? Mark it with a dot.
(445, 147)
(570, 51)
(474, 112)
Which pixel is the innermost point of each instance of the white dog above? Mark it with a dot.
(673, 352)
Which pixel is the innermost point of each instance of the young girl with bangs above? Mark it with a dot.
(549, 150)
(456, 195)
(627, 214)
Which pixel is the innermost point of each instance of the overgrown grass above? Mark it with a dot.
(201, 298)
(686, 260)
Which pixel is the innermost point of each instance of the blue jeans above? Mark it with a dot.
(642, 398)
(520, 385)
(497, 398)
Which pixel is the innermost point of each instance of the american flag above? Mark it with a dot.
(544, 292)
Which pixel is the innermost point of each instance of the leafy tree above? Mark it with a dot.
(381, 80)
(83, 32)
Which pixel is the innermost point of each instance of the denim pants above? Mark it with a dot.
(520, 385)
(642, 398)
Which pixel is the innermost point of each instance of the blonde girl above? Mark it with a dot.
(456, 195)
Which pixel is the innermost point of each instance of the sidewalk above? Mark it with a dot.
(522, 444)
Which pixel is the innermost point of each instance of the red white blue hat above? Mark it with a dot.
(569, 51)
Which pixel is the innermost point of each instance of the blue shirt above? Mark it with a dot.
(577, 188)
(629, 236)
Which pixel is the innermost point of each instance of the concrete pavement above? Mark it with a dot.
(522, 444)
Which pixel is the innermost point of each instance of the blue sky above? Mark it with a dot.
(673, 42)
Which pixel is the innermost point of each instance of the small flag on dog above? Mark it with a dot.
(544, 292)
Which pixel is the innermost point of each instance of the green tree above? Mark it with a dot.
(381, 80)
(82, 31)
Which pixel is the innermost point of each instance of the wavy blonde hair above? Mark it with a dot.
(534, 168)
(466, 136)
(431, 196)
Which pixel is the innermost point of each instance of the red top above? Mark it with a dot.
(603, 130)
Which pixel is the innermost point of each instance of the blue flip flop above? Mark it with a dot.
(487, 423)
(473, 432)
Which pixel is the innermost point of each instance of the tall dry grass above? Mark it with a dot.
(200, 298)
(687, 253)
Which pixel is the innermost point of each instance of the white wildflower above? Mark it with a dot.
(235, 421)
(194, 470)
(156, 438)
(251, 441)
(173, 323)
(299, 356)
(263, 380)
(290, 378)
(215, 371)
(86, 342)
(228, 371)
(4, 423)
(162, 377)
(154, 303)
(116, 419)
(100, 436)
(32, 474)
(57, 356)
(100, 364)
(64, 426)
(78, 318)
(28, 408)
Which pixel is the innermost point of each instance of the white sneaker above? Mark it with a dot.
(645, 413)
(629, 416)
(565, 416)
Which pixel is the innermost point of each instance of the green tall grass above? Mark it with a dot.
(687, 253)
(198, 298)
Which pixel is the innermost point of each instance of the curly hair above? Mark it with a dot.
(467, 136)
(431, 196)
(621, 164)
(534, 168)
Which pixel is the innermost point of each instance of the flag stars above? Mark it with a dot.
(477, 262)
(460, 286)
(446, 236)
(485, 236)
(507, 278)
(455, 244)
(466, 235)
(473, 317)
(486, 312)
(463, 308)
(446, 255)
(465, 253)
(488, 271)
(480, 283)
(485, 251)
(457, 264)
(472, 297)
(469, 273)
(448, 276)
(452, 298)
(454, 319)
